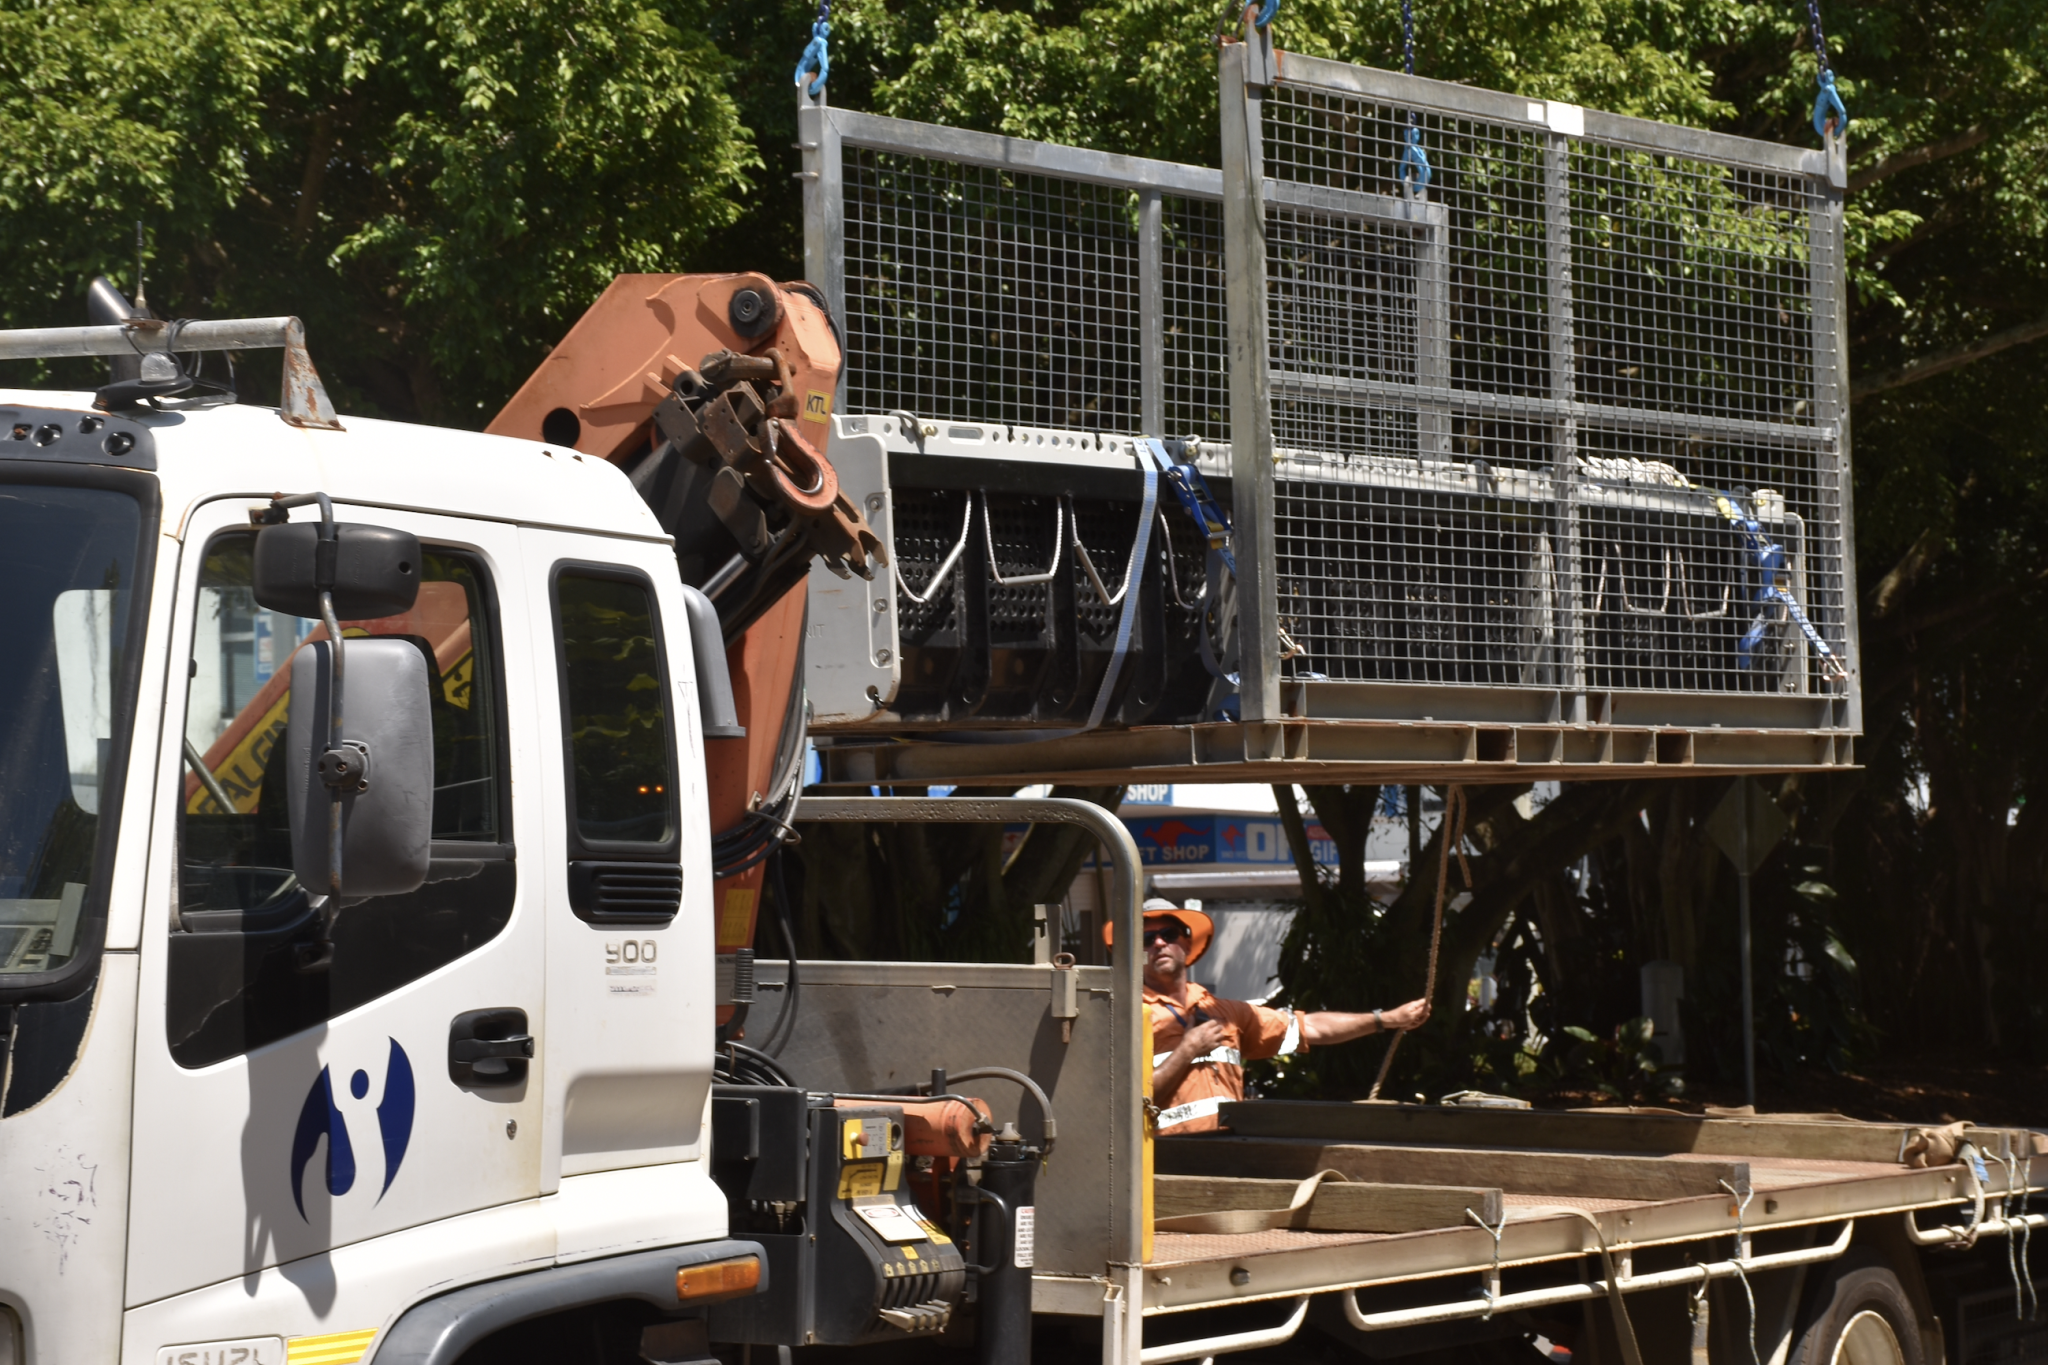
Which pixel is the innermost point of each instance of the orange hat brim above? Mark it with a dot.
(1200, 928)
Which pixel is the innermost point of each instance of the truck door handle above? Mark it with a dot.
(488, 1049)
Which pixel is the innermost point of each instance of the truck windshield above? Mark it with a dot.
(67, 578)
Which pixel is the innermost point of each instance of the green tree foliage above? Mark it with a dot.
(438, 188)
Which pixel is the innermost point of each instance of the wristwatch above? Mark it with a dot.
(1378, 1022)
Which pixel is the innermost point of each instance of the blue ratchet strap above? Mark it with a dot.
(1768, 562)
(817, 55)
(1415, 162)
(1826, 103)
(1134, 574)
(1202, 508)
(1193, 491)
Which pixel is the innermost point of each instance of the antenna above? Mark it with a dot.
(141, 292)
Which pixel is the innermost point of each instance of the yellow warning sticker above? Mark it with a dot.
(458, 681)
(860, 1178)
(240, 769)
(818, 407)
(736, 918)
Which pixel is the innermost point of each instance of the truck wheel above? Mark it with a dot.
(1860, 1317)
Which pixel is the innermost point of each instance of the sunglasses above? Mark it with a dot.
(1170, 933)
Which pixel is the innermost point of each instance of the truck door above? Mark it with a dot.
(296, 1091)
(629, 929)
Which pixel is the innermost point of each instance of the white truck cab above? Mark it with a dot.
(237, 1128)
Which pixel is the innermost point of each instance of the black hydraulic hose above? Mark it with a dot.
(1005, 1073)
(785, 1017)
(749, 1066)
(761, 831)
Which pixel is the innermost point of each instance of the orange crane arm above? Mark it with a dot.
(714, 393)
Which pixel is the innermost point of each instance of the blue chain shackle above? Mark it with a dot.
(1414, 161)
(817, 54)
(1827, 105)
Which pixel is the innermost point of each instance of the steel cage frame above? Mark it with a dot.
(1559, 415)
(1569, 639)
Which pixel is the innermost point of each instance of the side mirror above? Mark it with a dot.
(371, 570)
(360, 740)
(383, 768)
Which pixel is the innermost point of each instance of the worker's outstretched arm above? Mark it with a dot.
(1199, 1041)
(1323, 1027)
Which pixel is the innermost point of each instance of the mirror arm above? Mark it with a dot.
(323, 577)
(333, 738)
(208, 780)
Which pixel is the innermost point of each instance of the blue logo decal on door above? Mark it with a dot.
(321, 1117)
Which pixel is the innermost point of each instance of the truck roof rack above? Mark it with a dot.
(303, 402)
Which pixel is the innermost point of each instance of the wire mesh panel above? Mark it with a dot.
(1195, 380)
(1564, 417)
(997, 281)
(977, 294)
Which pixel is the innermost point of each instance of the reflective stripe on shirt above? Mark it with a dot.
(1189, 1112)
(1222, 1056)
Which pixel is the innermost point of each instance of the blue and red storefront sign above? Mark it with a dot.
(1199, 838)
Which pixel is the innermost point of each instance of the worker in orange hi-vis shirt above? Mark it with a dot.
(1200, 1043)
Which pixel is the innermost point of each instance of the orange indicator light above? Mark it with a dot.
(719, 1279)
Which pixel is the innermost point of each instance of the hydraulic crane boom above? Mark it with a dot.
(714, 393)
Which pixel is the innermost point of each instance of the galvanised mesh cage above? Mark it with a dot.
(1566, 417)
(1557, 438)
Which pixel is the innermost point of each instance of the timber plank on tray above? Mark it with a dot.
(1565, 1174)
(1337, 1206)
(1443, 1125)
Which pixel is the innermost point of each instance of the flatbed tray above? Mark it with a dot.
(1550, 1167)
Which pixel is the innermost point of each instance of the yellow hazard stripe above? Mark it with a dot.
(335, 1348)
(240, 770)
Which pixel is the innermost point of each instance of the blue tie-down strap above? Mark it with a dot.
(1220, 564)
(817, 57)
(1195, 498)
(1766, 553)
(1754, 636)
(1828, 102)
(1766, 563)
(1415, 163)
